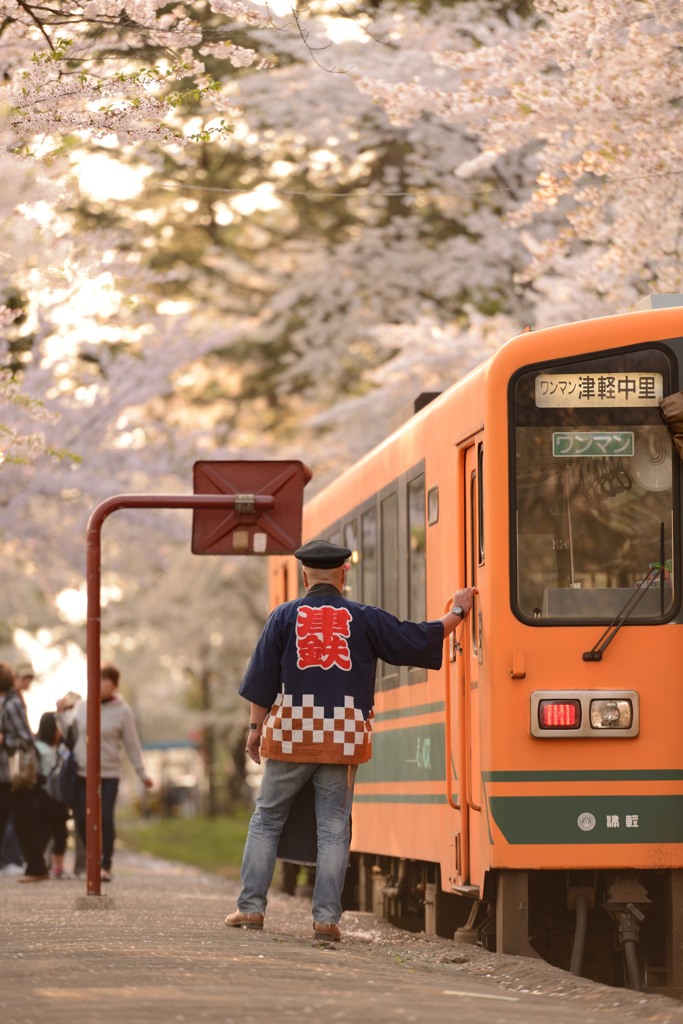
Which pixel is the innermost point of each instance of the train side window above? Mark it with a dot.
(433, 506)
(417, 565)
(368, 556)
(351, 541)
(390, 553)
(417, 561)
(389, 569)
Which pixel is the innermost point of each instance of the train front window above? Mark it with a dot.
(593, 511)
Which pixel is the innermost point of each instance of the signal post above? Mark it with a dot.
(239, 508)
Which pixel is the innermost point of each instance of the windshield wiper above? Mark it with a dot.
(597, 650)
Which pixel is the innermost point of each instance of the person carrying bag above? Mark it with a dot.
(55, 808)
(25, 778)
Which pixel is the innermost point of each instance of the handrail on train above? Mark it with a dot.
(467, 747)
(457, 806)
(449, 742)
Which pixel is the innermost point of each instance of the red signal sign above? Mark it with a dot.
(266, 516)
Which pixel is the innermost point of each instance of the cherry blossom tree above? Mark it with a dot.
(336, 208)
(325, 222)
(588, 94)
(103, 68)
(88, 353)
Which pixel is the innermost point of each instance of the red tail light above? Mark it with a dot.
(559, 714)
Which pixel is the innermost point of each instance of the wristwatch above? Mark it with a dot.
(457, 610)
(254, 725)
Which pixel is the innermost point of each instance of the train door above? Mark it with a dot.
(471, 643)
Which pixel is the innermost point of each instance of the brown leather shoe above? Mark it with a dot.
(240, 920)
(325, 931)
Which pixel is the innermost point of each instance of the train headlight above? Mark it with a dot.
(584, 714)
(611, 714)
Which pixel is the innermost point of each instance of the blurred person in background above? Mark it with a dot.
(54, 813)
(66, 708)
(117, 731)
(11, 861)
(6, 686)
(25, 803)
(65, 713)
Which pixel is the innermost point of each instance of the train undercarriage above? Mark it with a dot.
(619, 928)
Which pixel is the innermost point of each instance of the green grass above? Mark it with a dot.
(212, 844)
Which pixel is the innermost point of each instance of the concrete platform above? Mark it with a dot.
(159, 952)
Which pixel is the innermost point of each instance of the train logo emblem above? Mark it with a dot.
(586, 821)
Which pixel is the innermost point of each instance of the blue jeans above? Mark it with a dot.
(282, 780)
(109, 790)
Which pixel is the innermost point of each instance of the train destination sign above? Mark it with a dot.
(598, 390)
(593, 443)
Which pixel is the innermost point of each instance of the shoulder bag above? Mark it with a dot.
(61, 782)
(23, 768)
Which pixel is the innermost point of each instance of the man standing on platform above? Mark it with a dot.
(311, 685)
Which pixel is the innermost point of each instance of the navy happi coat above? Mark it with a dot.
(314, 667)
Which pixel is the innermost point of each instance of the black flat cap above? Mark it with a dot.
(322, 554)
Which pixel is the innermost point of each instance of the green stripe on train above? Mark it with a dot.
(588, 775)
(401, 798)
(413, 754)
(588, 820)
(420, 709)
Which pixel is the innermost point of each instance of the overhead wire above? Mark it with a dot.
(377, 194)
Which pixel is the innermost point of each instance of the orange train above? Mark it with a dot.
(529, 795)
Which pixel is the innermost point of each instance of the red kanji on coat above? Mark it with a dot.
(321, 637)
